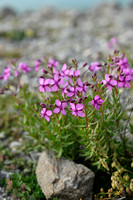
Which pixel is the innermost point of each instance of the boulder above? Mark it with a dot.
(64, 179)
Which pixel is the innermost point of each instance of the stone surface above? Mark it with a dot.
(3, 194)
(64, 179)
(67, 35)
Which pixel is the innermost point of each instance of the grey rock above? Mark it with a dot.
(7, 11)
(2, 135)
(4, 174)
(3, 195)
(35, 155)
(14, 146)
(64, 179)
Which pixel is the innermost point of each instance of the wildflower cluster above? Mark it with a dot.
(68, 84)
(13, 70)
(78, 117)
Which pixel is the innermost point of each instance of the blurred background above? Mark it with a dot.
(63, 29)
(23, 5)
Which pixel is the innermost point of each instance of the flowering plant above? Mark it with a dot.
(78, 117)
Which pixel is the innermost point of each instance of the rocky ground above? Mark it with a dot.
(63, 35)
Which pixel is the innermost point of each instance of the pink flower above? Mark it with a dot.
(16, 73)
(95, 66)
(60, 107)
(64, 89)
(52, 63)
(75, 73)
(109, 82)
(46, 113)
(37, 65)
(6, 73)
(82, 87)
(55, 82)
(96, 102)
(124, 80)
(65, 71)
(24, 67)
(72, 91)
(1, 77)
(123, 63)
(77, 110)
(44, 85)
(113, 41)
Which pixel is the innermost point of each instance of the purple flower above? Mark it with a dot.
(64, 89)
(95, 66)
(60, 107)
(24, 67)
(109, 82)
(52, 63)
(72, 91)
(37, 65)
(124, 80)
(65, 71)
(112, 42)
(16, 73)
(77, 110)
(6, 73)
(44, 85)
(55, 82)
(1, 77)
(123, 63)
(46, 113)
(96, 102)
(82, 87)
(74, 73)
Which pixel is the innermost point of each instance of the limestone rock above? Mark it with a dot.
(64, 179)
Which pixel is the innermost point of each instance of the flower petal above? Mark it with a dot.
(81, 114)
(47, 118)
(72, 106)
(64, 104)
(58, 103)
(79, 106)
(107, 77)
(54, 88)
(56, 77)
(56, 110)
(49, 112)
(63, 112)
(96, 97)
(113, 82)
(48, 89)
(120, 85)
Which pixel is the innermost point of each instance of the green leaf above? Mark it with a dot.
(60, 152)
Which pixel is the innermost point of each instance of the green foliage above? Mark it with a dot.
(26, 187)
(18, 35)
(58, 135)
(99, 139)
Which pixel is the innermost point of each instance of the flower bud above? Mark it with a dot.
(131, 187)
(131, 180)
(113, 164)
(84, 65)
(101, 190)
(128, 190)
(43, 105)
(121, 189)
(113, 185)
(126, 178)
